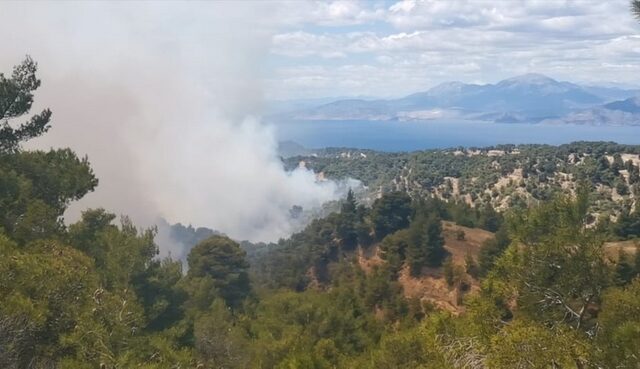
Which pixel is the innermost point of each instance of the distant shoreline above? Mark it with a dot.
(435, 134)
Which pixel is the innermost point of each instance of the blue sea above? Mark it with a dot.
(409, 136)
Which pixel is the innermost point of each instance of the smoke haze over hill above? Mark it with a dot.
(164, 99)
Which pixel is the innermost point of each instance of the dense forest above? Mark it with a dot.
(543, 288)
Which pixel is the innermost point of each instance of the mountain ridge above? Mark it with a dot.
(527, 98)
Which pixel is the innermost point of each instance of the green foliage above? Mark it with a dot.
(311, 329)
(390, 213)
(420, 245)
(490, 219)
(412, 349)
(619, 338)
(159, 291)
(16, 98)
(218, 342)
(120, 253)
(426, 243)
(555, 268)
(624, 270)
(36, 188)
(348, 222)
(311, 249)
(44, 291)
(393, 249)
(529, 345)
(628, 225)
(492, 249)
(219, 263)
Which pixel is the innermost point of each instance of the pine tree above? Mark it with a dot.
(617, 164)
(490, 219)
(349, 205)
(348, 222)
(434, 242)
(390, 213)
(219, 262)
(426, 244)
(16, 98)
(624, 270)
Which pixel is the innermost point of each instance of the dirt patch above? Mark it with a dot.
(514, 177)
(473, 239)
(635, 159)
(369, 258)
(612, 249)
(455, 185)
(431, 287)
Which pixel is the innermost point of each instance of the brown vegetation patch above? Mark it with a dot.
(473, 239)
(612, 249)
(431, 287)
(368, 258)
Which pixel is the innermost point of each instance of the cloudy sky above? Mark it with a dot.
(388, 48)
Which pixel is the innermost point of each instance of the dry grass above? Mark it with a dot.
(473, 239)
(431, 287)
(612, 249)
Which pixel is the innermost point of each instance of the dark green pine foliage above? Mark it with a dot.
(628, 224)
(634, 172)
(617, 164)
(426, 244)
(624, 271)
(390, 213)
(35, 186)
(85, 235)
(492, 249)
(490, 219)
(348, 222)
(16, 98)
(220, 263)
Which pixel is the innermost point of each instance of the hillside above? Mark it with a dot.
(431, 287)
(503, 176)
(619, 113)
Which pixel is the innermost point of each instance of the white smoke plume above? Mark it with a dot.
(164, 98)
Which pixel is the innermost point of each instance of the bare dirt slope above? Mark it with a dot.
(431, 287)
(473, 239)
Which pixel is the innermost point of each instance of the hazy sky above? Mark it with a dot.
(386, 48)
(391, 48)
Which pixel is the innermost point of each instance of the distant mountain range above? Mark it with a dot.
(530, 98)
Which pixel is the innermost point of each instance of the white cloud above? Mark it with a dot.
(329, 13)
(435, 41)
